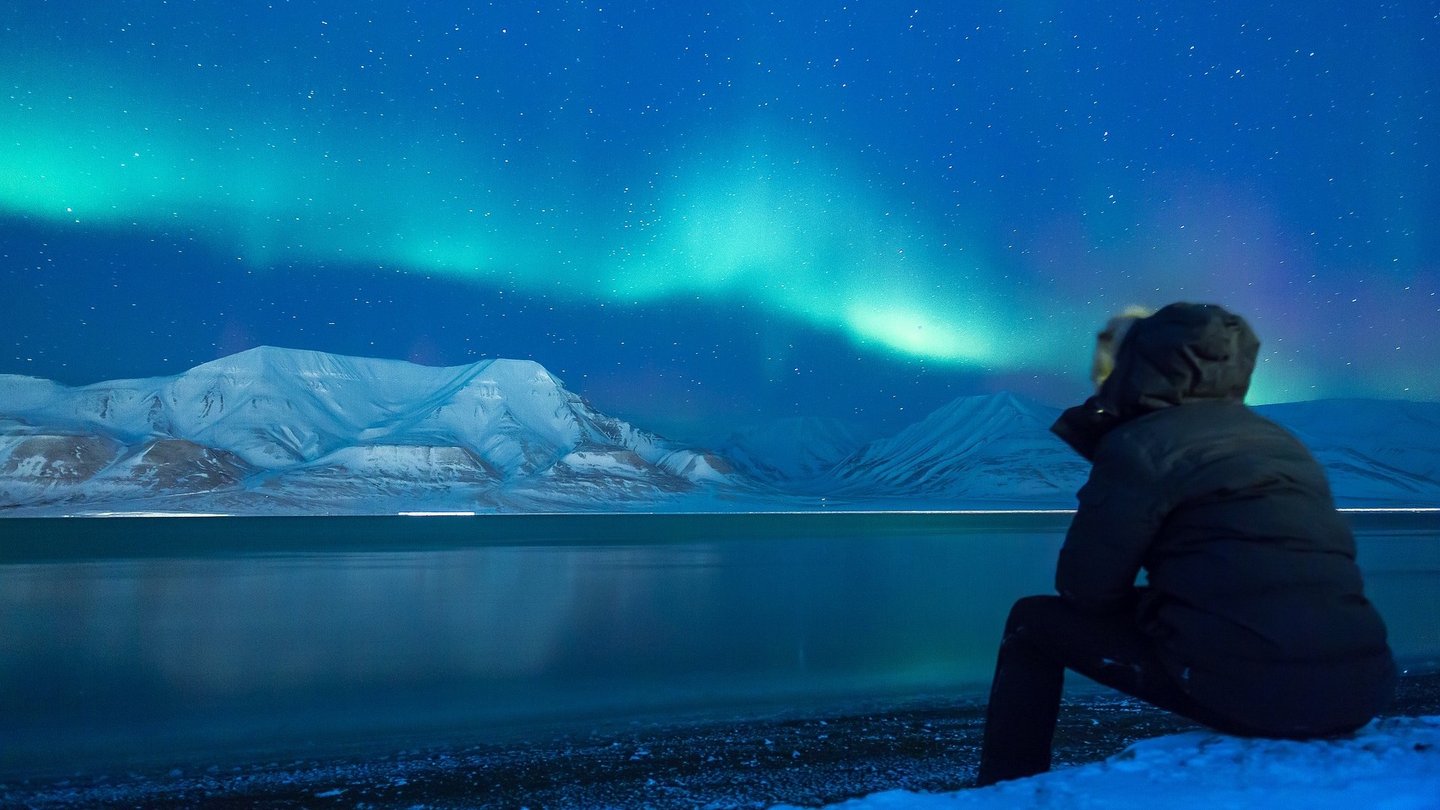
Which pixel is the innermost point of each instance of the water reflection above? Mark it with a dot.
(107, 660)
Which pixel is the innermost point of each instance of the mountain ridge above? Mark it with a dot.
(273, 430)
(299, 419)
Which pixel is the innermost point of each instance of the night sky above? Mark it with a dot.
(706, 215)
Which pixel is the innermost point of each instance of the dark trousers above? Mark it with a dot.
(1044, 636)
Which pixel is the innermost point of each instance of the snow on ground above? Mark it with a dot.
(1392, 764)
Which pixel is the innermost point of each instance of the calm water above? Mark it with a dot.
(155, 640)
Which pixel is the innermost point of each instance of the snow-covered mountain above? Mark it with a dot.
(997, 450)
(1381, 451)
(286, 431)
(277, 430)
(794, 450)
(994, 449)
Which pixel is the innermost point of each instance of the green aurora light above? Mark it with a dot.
(756, 223)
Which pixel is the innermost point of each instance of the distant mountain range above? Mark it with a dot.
(277, 431)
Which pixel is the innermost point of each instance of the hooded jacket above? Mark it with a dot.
(1253, 597)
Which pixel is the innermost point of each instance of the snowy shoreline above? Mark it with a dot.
(918, 756)
(1394, 763)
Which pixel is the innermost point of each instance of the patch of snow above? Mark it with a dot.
(1393, 763)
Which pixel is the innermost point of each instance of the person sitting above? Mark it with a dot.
(1253, 618)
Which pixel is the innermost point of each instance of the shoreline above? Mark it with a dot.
(59, 539)
(792, 759)
(461, 513)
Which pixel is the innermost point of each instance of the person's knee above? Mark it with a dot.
(1028, 610)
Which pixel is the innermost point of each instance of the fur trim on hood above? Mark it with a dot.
(1183, 353)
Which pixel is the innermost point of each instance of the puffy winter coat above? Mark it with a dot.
(1253, 595)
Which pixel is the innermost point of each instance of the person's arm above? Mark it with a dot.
(1121, 509)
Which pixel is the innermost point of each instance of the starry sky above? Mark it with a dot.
(703, 216)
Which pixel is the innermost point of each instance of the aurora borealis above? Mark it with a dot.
(706, 215)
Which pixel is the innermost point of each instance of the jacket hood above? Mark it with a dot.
(1183, 353)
